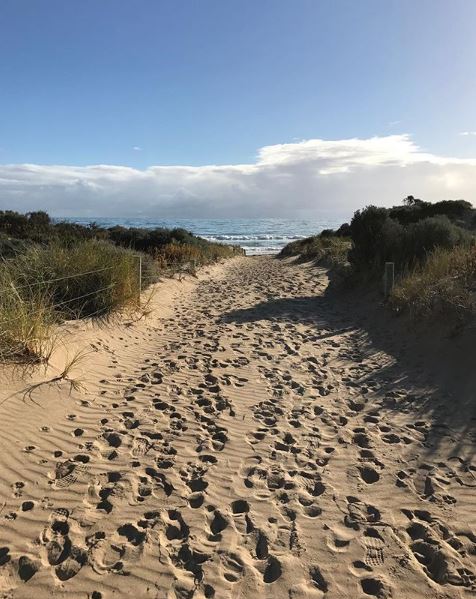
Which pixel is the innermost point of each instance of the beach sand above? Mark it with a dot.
(251, 436)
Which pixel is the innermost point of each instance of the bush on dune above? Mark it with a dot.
(17, 229)
(26, 321)
(37, 227)
(431, 245)
(434, 256)
(366, 231)
(377, 238)
(149, 240)
(458, 211)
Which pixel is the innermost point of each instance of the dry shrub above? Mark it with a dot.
(190, 256)
(328, 250)
(445, 283)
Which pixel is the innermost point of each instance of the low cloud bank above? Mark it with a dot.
(309, 178)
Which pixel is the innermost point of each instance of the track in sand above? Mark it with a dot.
(265, 446)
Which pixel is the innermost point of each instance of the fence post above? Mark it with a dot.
(388, 278)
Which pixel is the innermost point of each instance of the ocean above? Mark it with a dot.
(256, 236)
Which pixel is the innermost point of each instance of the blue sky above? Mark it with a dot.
(211, 81)
(198, 82)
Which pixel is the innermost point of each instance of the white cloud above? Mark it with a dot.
(137, 148)
(307, 178)
(466, 133)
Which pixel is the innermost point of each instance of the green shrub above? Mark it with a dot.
(424, 236)
(413, 210)
(365, 230)
(38, 228)
(377, 238)
(10, 247)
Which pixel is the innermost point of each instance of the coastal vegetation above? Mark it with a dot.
(51, 271)
(329, 248)
(433, 248)
(445, 283)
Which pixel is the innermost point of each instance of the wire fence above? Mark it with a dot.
(29, 311)
(58, 279)
(23, 301)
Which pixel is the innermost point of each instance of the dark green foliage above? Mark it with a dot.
(424, 236)
(404, 234)
(327, 233)
(151, 240)
(37, 227)
(68, 234)
(414, 210)
(14, 224)
(365, 230)
(343, 230)
(10, 247)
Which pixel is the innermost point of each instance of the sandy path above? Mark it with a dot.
(262, 445)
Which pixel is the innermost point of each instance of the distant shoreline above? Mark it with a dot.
(261, 236)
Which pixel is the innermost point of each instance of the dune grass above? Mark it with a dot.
(45, 285)
(173, 255)
(90, 277)
(328, 250)
(444, 284)
(26, 321)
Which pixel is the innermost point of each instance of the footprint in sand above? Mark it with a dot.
(368, 475)
(376, 587)
(360, 513)
(233, 567)
(58, 549)
(140, 446)
(317, 579)
(374, 547)
(73, 563)
(68, 472)
(217, 525)
(272, 571)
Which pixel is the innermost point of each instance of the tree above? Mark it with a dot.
(412, 201)
(39, 219)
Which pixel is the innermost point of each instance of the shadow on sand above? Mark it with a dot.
(437, 370)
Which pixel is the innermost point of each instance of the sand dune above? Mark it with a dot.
(248, 438)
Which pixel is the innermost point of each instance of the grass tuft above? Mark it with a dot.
(444, 284)
(45, 285)
(327, 250)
